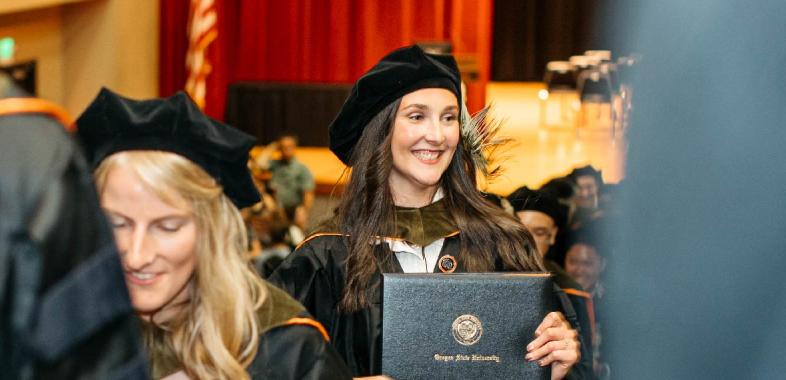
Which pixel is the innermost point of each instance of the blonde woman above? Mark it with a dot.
(171, 181)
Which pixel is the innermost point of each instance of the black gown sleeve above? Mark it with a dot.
(310, 276)
(297, 352)
(314, 275)
(297, 275)
(583, 326)
(582, 370)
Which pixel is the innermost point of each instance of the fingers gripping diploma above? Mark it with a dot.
(555, 344)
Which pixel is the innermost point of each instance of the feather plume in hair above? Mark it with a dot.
(479, 138)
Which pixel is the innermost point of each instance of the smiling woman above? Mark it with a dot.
(410, 203)
(425, 136)
(157, 239)
(170, 181)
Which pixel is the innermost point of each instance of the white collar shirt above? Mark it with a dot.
(414, 258)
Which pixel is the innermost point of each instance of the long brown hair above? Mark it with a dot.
(367, 211)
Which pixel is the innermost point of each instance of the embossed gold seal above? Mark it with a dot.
(467, 329)
(447, 264)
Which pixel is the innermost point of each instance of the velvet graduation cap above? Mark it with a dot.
(402, 71)
(526, 199)
(112, 123)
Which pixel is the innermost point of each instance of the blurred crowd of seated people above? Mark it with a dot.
(567, 217)
(277, 224)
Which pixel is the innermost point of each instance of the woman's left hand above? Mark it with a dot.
(555, 344)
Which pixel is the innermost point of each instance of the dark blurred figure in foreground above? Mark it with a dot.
(64, 309)
(698, 280)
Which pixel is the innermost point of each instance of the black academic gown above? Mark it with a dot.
(291, 345)
(580, 300)
(315, 275)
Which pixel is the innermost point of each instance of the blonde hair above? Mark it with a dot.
(216, 336)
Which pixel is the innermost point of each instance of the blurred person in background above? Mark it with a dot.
(585, 261)
(259, 216)
(540, 213)
(292, 182)
(563, 189)
(498, 200)
(276, 249)
(589, 184)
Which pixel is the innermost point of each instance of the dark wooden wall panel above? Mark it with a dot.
(529, 33)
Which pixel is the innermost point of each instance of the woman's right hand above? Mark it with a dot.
(556, 344)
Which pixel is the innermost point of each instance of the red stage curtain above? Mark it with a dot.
(320, 41)
(173, 44)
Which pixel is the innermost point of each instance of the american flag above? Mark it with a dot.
(202, 30)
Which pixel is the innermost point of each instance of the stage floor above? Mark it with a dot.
(536, 154)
